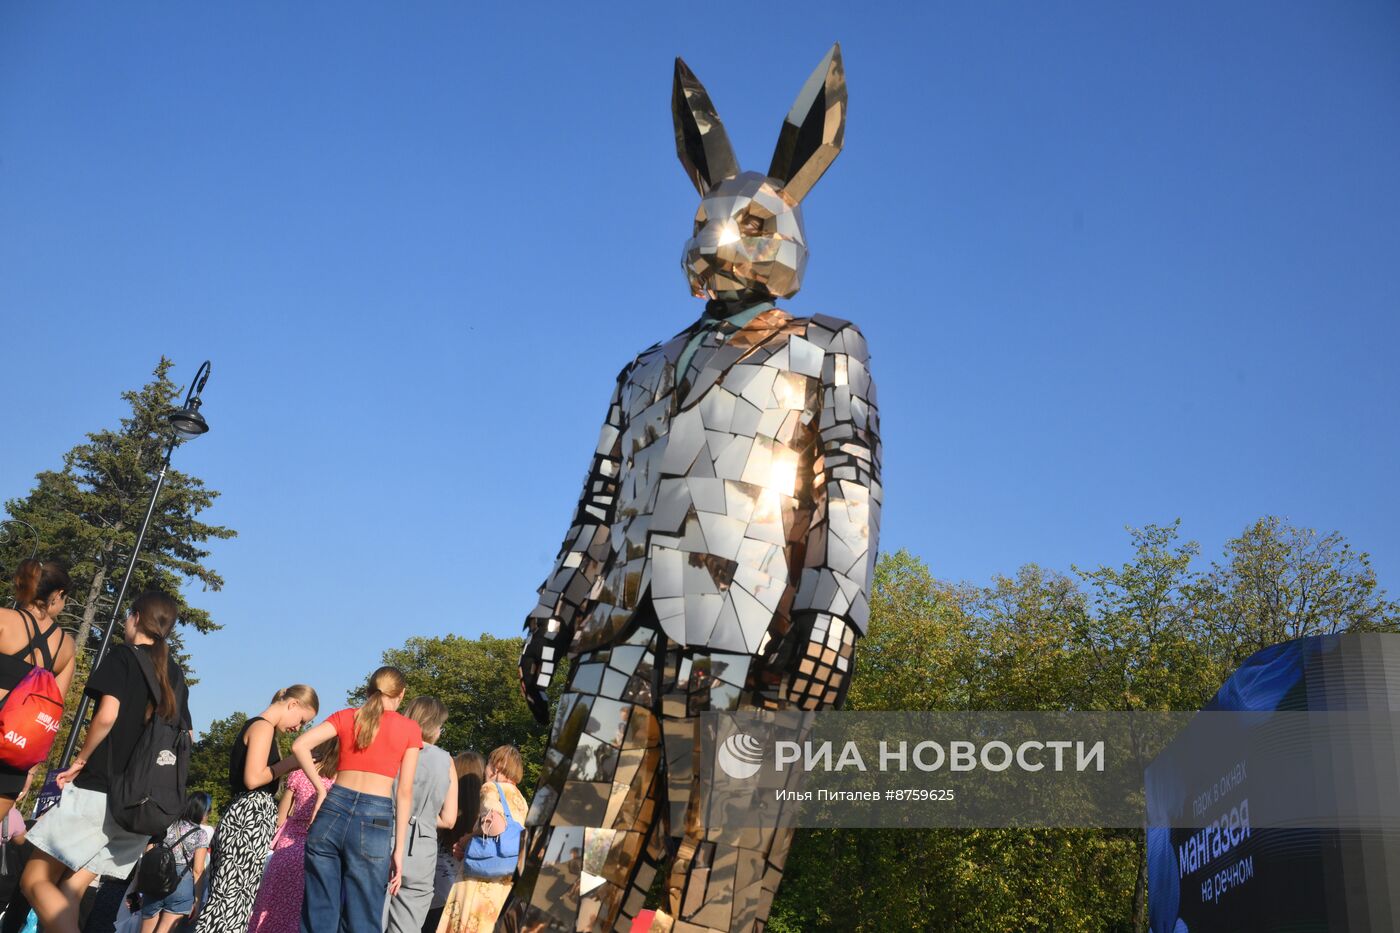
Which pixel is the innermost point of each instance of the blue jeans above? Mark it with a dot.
(347, 863)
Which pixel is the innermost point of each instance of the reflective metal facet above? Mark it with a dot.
(701, 141)
(814, 130)
(718, 559)
(748, 242)
(741, 250)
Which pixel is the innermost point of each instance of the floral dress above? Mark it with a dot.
(474, 904)
(278, 907)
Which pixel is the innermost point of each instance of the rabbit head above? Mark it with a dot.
(748, 243)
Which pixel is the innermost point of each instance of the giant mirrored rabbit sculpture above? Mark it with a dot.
(719, 557)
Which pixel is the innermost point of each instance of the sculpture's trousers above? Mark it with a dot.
(617, 797)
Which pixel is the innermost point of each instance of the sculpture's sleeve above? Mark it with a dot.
(832, 605)
(577, 573)
(839, 566)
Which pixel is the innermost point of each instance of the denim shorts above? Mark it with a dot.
(80, 833)
(179, 902)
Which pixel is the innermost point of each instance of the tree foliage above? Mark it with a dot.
(1153, 633)
(476, 679)
(1278, 582)
(88, 513)
(209, 761)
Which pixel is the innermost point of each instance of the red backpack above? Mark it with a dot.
(31, 714)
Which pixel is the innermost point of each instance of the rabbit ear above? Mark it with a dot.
(701, 141)
(814, 129)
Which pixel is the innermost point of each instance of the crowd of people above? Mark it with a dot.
(367, 825)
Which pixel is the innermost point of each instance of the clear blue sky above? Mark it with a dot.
(1117, 263)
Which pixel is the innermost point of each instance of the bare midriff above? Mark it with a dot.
(365, 782)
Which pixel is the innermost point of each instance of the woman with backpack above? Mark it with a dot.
(31, 643)
(247, 824)
(476, 900)
(78, 840)
(188, 848)
(354, 849)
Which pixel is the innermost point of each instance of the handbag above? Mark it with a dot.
(495, 856)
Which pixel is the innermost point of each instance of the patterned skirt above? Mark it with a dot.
(278, 907)
(473, 906)
(238, 854)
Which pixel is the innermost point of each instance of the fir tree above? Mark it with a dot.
(88, 513)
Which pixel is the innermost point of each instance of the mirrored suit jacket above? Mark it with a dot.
(740, 494)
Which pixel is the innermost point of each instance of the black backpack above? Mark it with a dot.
(156, 875)
(148, 795)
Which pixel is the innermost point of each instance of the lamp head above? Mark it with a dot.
(187, 421)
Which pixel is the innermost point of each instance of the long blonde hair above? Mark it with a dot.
(387, 681)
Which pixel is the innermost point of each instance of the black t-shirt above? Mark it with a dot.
(119, 675)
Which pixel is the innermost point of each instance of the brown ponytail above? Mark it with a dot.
(387, 681)
(155, 616)
(37, 580)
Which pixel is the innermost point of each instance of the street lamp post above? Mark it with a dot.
(187, 422)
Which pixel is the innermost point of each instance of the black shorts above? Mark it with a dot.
(11, 782)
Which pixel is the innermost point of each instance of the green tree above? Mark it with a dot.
(1142, 630)
(920, 651)
(1024, 628)
(88, 513)
(209, 761)
(1278, 582)
(1147, 650)
(938, 646)
(1153, 633)
(477, 680)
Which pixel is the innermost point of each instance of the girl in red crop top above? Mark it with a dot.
(396, 735)
(354, 848)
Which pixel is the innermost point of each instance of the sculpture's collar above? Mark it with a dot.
(735, 313)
